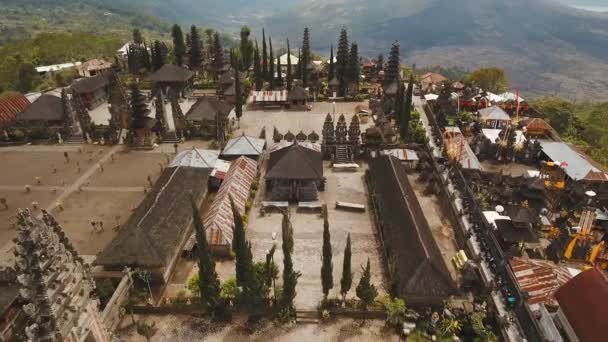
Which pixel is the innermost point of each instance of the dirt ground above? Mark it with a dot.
(186, 328)
(88, 194)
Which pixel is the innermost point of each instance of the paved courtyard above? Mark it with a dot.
(85, 192)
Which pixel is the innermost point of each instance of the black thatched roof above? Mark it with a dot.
(334, 82)
(170, 73)
(155, 230)
(206, 108)
(297, 94)
(520, 214)
(46, 108)
(423, 276)
(295, 162)
(511, 234)
(90, 84)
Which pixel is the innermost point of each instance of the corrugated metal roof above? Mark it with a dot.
(269, 96)
(493, 135)
(196, 158)
(494, 113)
(402, 154)
(575, 165)
(456, 143)
(219, 220)
(56, 67)
(244, 146)
(10, 106)
(284, 143)
(539, 279)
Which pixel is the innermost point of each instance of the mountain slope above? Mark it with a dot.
(546, 47)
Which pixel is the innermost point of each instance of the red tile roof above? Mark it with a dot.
(539, 279)
(10, 106)
(584, 301)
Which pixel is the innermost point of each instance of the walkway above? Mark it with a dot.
(499, 301)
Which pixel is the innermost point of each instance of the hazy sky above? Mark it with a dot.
(594, 5)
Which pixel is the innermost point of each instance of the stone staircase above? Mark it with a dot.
(341, 156)
(170, 138)
(307, 317)
(75, 139)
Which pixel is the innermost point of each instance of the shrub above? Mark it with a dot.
(193, 285)
(248, 205)
(395, 310)
(181, 297)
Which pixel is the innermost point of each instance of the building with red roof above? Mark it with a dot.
(584, 306)
(10, 106)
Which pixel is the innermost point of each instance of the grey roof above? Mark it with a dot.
(155, 230)
(196, 158)
(295, 161)
(45, 108)
(171, 73)
(90, 84)
(206, 108)
(576, 166)
(244, 146)
(494, 113)
(297, 94)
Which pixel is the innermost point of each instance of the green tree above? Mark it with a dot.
(366, 291)
(240, 246)
(393, 67)
(289, 75)
(209, 283)
(230, 290)
(264, 56)
(327, 267)
(272, 271)
(347, 275)
(342, 60)
(258, 76)
(218, 53)
(331, 73)
(353, 71)
(290, 277)
(306, 55)
(179, 46)
(299, 66)
(246, 48)
(27, 76)
(137, 37)
(139, 107)
(158, 55)
(271, 70)
(380, 63)
(492, 79)
(406, 112)
(195, 54)
(395, 310)
(238, 93)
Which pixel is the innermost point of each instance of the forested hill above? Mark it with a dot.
(22, 19)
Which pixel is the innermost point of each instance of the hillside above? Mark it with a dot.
(21, 19)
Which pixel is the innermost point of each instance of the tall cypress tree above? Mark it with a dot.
(258, 77)
(179, 46)
(139, 108)
(279, 73)
(195, 54)
(353, 64)
(380, 63)
(290, 277)
(264, 56)
(158, 55)
(305, 56)
(299, 66)
(218, 53)
(246, 48)
(342, 60)
(144, 56)
(238, 105)
(327, 267)
(270, 78)
(406, 115)
(331, 73)
(289, 76)
(366, 291)
(209, 282)
(244, 259)
(347, 275)
(392, 69)
(399, 103)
